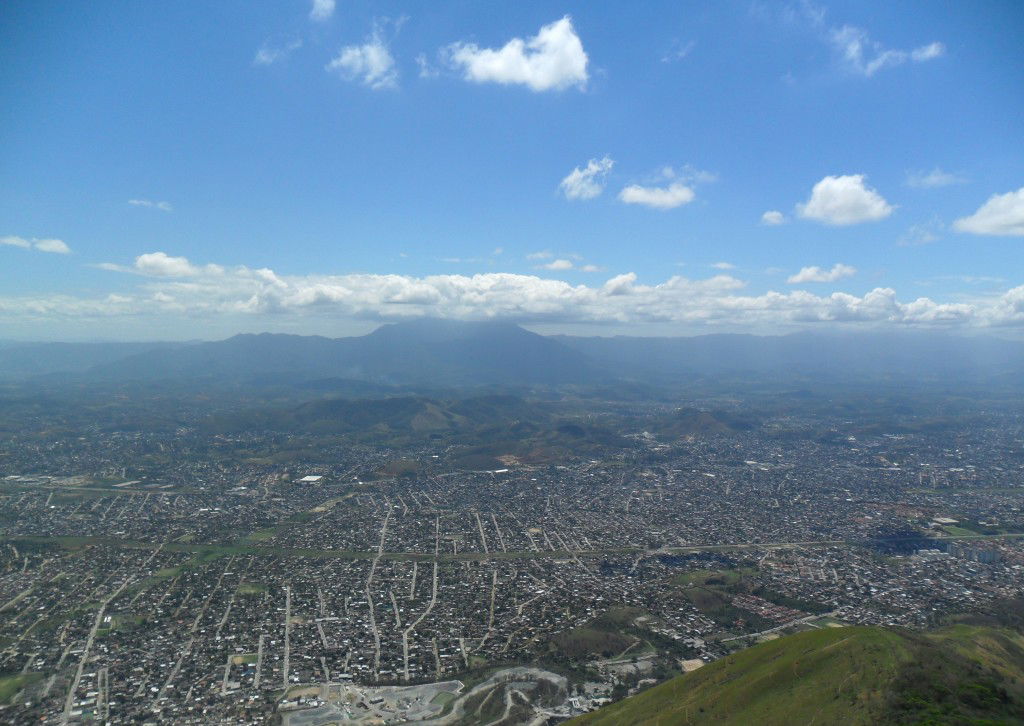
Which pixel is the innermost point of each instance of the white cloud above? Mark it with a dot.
(149, 204)
(866, 57)
(689, 175)
(542, 255)
(619, 285)
(321, 10)
(678, 51)
(591, 268)
(817, 274)
(1002, 215)
(55, 246)
(724, 266)
(426, 69)
(843, 200)
(160, 264)
(51, 245)
(588, 182)
(559, 264)
(928, 52)
(370, 63)
(268, 55)
(773, 218)
(921, 234)
(670, 197)
(553, 59)
(176, 286)
(934, 178)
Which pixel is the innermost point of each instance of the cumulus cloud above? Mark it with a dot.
(724, 266)
(674, 195)
(370, 63)
(268, 54)
(773, 218)
(934, 178)
(844, 200)
(588, 182)
(160, 264)
(553, 59)
(54, 246)
(559, 264)
(866, 57)
(817, 274)
(176, 286)
(150, 204)
(1002, 215)
(321, 10)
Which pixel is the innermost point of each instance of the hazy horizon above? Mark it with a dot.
(1010, 335)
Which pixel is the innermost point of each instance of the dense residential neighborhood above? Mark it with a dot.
(214, 587)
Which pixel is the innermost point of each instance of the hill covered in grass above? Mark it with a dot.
(963, 675)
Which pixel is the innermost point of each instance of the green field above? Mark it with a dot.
(850, 676)
(11, 685)
(712, 577)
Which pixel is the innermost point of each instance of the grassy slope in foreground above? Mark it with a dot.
(858, 675)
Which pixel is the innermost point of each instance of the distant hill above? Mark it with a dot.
(693, 422)
(20, 360)
(824, 356)
(851, 676)
(430, 352)
(394, 415)
(487, 426)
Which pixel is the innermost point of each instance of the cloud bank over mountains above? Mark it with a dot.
(176, 286)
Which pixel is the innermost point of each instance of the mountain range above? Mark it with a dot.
(449, 353)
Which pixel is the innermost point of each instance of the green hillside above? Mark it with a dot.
(963, 675)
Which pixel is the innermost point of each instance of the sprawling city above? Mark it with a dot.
(184, 576)
(512, 363)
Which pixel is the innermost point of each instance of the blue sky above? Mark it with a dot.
(192, 170)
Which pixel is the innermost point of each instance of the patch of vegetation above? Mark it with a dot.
(443, 698)
(11, 685)
(588, 642)
(261, 535)
(965, 675)
(957, 531)
(617, 617)
(719, 578)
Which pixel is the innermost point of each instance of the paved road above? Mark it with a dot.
(70, 700)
